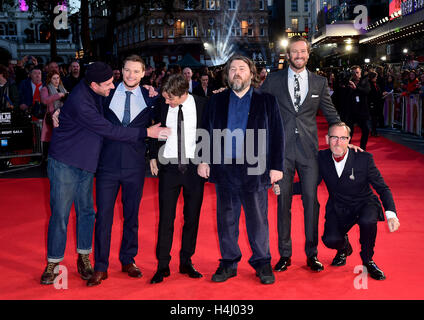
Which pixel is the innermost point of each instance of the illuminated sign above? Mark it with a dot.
(411, 6)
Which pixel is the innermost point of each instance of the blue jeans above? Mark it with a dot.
(69, 185)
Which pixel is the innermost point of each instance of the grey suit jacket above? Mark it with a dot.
(304, 120)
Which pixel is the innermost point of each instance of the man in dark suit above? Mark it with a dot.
(244, 169)
(188, 74)
(122, 165)
(300, 94)
(30, 93)
(356, 100)
(182, 112)
(348, 176)
(203, 90)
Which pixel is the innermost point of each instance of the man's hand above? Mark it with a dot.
(356, 148)
(276, 189)
(152, 91)
(154, 167)
(219, 90)
(158, 132)
(55, 118)
(393, 224)
(352, 85)
(23, 107)
(275, 175)
(203, 170)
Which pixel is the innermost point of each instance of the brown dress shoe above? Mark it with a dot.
(97, 278)
(48, 275)
(132, 270)
(84, 266)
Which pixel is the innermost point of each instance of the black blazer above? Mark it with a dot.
(161, 113)
(263, 114)
(116, 154)
(318, 97)
(348, 192)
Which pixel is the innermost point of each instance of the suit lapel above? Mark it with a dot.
(347, 170)
(308, 94)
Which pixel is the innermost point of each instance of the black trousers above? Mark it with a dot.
(131, 182)
(307, 170)
(171, 181)
(363, 124)
(339, 222)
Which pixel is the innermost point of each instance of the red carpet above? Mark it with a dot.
(25, 211)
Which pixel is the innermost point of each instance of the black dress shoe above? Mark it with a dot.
(374, 271)
(265, 274)
(160, 274)
(188, 268)
(282, 264)
(314, 264)
(223, 274)
(341, 256)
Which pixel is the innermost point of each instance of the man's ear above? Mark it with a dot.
(327, 139)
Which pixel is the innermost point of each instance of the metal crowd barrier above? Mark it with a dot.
(27, 157)
(404, 113)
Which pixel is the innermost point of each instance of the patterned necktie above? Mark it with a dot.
(127, 111)
(296, 92)
(180, 136)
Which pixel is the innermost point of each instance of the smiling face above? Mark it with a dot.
(132, 73)
(298, 56)
(55, 80)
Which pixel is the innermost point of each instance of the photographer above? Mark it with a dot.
(53, 95)
(9, 96)
(357, 109)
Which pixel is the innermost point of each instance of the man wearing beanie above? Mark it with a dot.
(73, 157)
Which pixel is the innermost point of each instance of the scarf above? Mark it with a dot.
(52, 90)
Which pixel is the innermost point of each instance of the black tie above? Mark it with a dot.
(180, 136)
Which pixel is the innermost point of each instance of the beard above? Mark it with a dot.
(300, 64)
(240, 85)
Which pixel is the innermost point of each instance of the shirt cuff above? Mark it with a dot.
(390, 214)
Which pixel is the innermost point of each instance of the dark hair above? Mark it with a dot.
(372, 75)
(175, 84)
(134, 58)
(297, 39)
(251, 65)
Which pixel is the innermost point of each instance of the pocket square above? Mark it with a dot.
(314, 96)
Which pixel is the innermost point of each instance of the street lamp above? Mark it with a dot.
(284, 43)
(383, 58)
(405, 51)
(348, 47)
(367, 60)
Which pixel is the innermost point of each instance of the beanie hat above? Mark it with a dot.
(98, 72)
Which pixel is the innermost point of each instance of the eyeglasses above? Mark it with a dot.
(336, 138)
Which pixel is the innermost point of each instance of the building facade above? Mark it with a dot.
(23, 34)
(210, 32)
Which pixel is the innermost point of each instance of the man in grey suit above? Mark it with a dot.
(299, 93)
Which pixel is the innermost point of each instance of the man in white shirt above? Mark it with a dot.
(173, 163)
(348, 176)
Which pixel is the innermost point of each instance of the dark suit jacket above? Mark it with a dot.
(115, 154)
(263, 114)
(305, 120)
(200, 92)
(161, 114)
(25, 92)
(346, 192)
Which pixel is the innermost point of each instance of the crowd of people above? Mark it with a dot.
(104, 123)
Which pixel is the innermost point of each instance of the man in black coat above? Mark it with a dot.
(172, 161)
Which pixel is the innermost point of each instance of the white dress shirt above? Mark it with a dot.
(137, 103)
(339, 168)
(303, 84)
(190, 126)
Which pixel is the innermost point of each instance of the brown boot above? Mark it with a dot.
(48, 275)
(84, 266)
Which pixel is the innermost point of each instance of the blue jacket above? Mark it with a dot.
(78, 139)
(25, 92)
(116, 155)
(263, 114)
